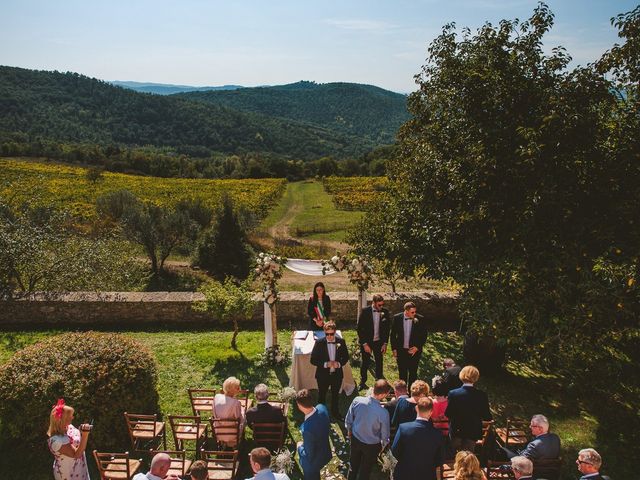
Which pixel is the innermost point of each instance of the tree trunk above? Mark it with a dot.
(235, 334)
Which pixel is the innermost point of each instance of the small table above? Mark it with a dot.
(303, 373)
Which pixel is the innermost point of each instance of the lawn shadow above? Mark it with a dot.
(245, 369)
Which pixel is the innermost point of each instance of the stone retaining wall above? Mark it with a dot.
(174, 309)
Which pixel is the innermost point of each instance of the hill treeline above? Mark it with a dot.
(354, 109)
(71, 117)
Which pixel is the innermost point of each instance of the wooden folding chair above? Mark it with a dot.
(499, 471)
(202, 400)
(221, 465)
(180, 465)
(226, 432)
(245, 402)
(146, 432)
(116, 466)
(270, 435)
(515, 435)
(548, 469)
(275, 401)
(446, 470)
(186, 428)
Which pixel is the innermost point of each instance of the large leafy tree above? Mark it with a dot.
(520, 179)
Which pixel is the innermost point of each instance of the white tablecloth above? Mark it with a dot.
(303, 373)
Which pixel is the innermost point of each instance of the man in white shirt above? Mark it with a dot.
(159, 467)
(260, 460)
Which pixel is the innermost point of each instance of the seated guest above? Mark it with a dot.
(227, 407)
(522, 468)
(368, 429)
(314, 451)
(466, 409)
(544, 446)
(263, 412)
(199, 470)
(451, 374)
(589, 462)
(318, 308)
(160, 465)
(399, 391)
(406, 407)
(440, 402)
(260, 461)
(418, 446)
(467, 467)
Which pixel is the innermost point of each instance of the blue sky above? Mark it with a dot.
(268, 42)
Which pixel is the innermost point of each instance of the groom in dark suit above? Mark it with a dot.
(374, 324)
(329, 355)
(408, 336)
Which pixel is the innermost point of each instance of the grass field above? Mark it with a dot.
(68, 188)
(204, 358)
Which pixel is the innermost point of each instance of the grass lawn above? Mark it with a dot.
(204, 359)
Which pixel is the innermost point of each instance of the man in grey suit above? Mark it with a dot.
(545, 445)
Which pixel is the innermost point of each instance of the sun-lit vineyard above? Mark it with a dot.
(354, 193)
(68, 188)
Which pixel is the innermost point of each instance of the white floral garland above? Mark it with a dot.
(359, 269)
(269, 269)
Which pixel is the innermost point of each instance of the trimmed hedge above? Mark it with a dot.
(101, 375)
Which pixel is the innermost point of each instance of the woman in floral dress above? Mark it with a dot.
(67, 444)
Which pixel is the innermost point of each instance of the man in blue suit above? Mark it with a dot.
(314, 450)
(418, 446)
(544, 446)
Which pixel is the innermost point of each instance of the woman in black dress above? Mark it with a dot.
(319, 307)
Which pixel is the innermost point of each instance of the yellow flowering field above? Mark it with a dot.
(67, 187)
(354, 193)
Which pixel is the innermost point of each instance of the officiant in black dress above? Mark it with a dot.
(318, 308)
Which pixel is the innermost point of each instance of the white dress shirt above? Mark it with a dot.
(331, 346)
(407, 325)
(146, 476)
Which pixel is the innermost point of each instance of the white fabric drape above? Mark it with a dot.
(308, 267)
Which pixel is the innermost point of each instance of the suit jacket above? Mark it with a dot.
(326, 305)
(543, 447)
(418, 446)
(320, 355)
(451, 377)
(264, 413)
(418, 333)
(365, 326)
(595, 477)
(267, 474)
(467, 408)
(315, 452)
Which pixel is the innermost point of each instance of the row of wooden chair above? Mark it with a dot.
(221, 465)
(548, 469)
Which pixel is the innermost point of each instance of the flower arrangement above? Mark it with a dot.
(387, 463)
(269, 270)
(282, 461)
(274, 356)
(359, 269)
(287, 394)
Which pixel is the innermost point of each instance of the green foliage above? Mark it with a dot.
(519, 179)
(228, 301)
(101, 375)
(223, 250)
(348, 108)
(158, 229)
(39, 251)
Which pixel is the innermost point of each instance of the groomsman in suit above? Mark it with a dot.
(329, 355)
(374, 324)
(408, 336)
(314, 450)
(418, 446)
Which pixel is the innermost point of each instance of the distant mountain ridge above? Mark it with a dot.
(362, 110)
(167, 88)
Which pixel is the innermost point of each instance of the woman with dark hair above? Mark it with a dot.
(319, 307)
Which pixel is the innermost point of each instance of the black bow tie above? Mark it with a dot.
(377, 311)
(331, 343)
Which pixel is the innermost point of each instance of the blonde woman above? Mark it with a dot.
(406, 407)
(227, 407)
(467, 467)
(67, 444)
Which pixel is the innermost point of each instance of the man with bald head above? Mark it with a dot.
(159, 468)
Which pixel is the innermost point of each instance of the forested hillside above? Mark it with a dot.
(350, 108)
(38, 106)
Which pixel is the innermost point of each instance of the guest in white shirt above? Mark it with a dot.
(159, 468)
(260, 460)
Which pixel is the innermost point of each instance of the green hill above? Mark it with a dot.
(69, 107)
(349, 108)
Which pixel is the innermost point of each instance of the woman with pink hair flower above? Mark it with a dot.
(67, 444)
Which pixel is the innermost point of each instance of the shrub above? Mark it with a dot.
(101, 375)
